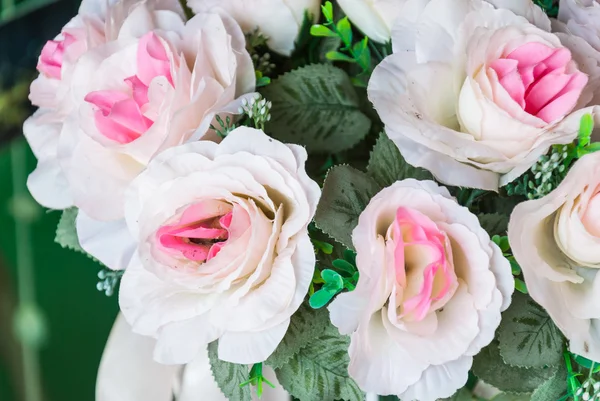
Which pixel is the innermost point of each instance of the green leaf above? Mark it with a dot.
(511, 397)
(386, 164)
(321, 30)
(345, 30)
(362, 53)
(327, 9)
(494, 223)
(521, 286)
(585, 129)
(316, 106)
(586, 363)
(462, 395)
(489, 367)
(516, 269)
(337, 56)
(66, 233)
(332, 277)
(350, 256)
(319, 371)
(262, 81)
(553, 389)
(229, 376)
(346, 193)
(344, 266)
(320, 298)
(527, 335)
(326, 45)
(305, 325)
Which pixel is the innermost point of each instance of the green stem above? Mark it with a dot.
(348, 46)
(572, 383)
(25, 272)
(373, 47)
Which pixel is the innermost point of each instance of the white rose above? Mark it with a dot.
(279, 20)
(139, 96)
(223, 250)
(556, 241)
(580, 18)
(431, 289)
(476, 94)
(127, 372)
(374, 18)
(96, 23)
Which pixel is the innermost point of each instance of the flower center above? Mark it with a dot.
(200, 233)
(591, 216)
(544, 81)
(422, 263)
(51, 59)
(120, 114)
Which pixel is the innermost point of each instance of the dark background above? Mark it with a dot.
(77, 317)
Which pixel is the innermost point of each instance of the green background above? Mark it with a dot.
(78, 317)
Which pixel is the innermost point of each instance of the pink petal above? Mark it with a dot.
(139, 89)
(152, 59)
(530, 54)
(565, 101)
(544, 90)
(504, 66)
(105, 100)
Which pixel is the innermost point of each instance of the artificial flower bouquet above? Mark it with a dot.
(332, 201)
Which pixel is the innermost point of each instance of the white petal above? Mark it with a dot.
(378, 363)
(527, 9)
(127, 371)
(251, 347)
(198, 379)
(182, 341)
(49, 186)
(109, 242)
(440, 381)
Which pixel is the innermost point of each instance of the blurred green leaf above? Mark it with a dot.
(321, 31)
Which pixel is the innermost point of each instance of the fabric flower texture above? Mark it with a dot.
(475, 93)
(278, 20)
(138, 377)
(97, 23)
(431, 289)
(223, 248)
(142, 95)
(374, 18)
(556, 241)
(581, 18)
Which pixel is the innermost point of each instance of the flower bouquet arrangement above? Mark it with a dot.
(332, 201)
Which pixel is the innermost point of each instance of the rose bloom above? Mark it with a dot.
(279, 20)
(581, 18)
(96, 23)
(128, 373)
(222, 247)
(475, 93)
(431, 289)
(556, 241)
(374, 18)
(139, 95)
